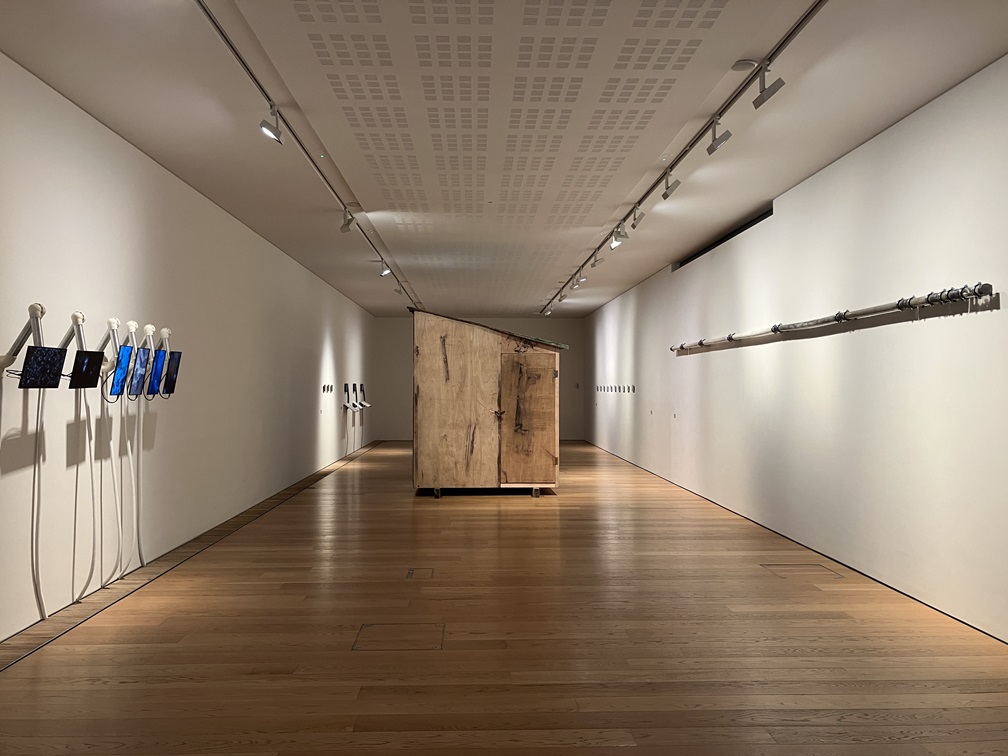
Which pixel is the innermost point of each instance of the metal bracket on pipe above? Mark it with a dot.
(945, 296)
(32, 328)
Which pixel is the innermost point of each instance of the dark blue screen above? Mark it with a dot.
(157, 369)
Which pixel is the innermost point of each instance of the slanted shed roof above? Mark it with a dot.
(530, 339)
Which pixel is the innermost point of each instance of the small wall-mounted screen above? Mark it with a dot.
(42, 367)
(139, 371)
(157, 370)
(86, 370)
(122, 370)
(171, 375)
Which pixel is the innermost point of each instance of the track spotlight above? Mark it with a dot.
(638, 216)
(549, 310)
(272, 130)
(581, 277)
(562, 297)
(717, 141)
(575, 284)
(620, 232)
(614, 242)
(347, 221)
(385, 270)
(766, 92)
(597, 261)
(398, 289)
(669, 188)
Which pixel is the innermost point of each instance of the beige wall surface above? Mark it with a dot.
(89, 223)
(882, 447)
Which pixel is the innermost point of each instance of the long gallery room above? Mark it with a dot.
(504, 377)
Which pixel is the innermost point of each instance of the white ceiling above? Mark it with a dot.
(491, 145)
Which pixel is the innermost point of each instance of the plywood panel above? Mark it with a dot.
(529, 399)
(456, 439)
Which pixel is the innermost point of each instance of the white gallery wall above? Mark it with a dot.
(884, 447)
(392, 368)
(89, 223)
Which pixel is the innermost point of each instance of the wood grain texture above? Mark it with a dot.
(455, 402)
(621, 613)
(529, 402)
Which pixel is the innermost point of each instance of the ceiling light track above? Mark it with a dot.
(279, 119)
(757, 74)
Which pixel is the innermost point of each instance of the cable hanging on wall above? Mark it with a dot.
(273, 131)
(758, 71)
(945, 296)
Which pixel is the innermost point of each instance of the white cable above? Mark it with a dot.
(36, 507)
(129, 455)
(139, 480)
(115, 497)
(97, 527)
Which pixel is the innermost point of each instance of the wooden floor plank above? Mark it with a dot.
(621, 613)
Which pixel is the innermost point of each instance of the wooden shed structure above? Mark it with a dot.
(486, 406)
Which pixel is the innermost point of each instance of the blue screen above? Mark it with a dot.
(157, 369)
(172, 375)
(122, 370)
(139, 371)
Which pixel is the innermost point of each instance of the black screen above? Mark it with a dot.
(42, 367)
(86, 370)
(139, 371)
(171, 375)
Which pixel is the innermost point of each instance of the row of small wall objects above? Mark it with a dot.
(631, 389)
(358, 403)
(136, 371)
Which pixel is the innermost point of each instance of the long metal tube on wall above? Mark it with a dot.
(946, 296)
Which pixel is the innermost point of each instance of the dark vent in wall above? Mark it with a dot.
(762, 216)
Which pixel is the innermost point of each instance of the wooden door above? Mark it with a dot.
(529, 445)
(455, 387)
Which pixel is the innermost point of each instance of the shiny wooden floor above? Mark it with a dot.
(621, 612)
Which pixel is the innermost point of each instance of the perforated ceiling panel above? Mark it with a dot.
(490, 143)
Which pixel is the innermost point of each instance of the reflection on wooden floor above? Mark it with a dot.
(621, 612)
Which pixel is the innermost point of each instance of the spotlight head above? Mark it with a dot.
(620, 232)
(386, 270)
(272, 130)
(597, 261)
(549, 311)
(562, 297)
(717, 142)
(347, 221)
(638, 216)
(575, 284)
(766, 92)
(581, 278)
(614, 242)
(669, 188)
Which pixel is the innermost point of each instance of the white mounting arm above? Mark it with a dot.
(32, 328)
(76, 330)
(164, 343)
(149, 332)
(131, 327)
(111, 335)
